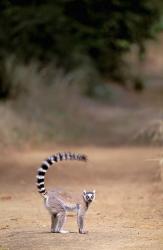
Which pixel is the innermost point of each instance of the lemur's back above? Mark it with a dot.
(58, 198)
(68, 197)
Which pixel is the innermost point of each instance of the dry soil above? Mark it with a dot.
(127, 213)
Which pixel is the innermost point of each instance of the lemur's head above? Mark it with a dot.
(89, 196)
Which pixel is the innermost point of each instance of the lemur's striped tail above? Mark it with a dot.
(49, 162)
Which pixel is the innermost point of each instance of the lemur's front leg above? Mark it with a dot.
(80, 221)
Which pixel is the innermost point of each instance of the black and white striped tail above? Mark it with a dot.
(49, 162)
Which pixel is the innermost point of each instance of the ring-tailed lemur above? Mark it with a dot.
(58, 203)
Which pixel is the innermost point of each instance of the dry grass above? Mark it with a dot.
(51, 109)
(48, 107)
(151, 134)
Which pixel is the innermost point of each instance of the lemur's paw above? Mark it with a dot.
(53, 231)
(63, 231)
(83, 232)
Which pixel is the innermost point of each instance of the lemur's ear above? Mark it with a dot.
(94, 191)
(84, 192)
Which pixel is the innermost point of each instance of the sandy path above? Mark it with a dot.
(127, 214)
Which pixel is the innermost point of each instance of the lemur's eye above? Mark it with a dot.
(87, 196)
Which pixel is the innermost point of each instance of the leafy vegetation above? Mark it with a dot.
(74, 33)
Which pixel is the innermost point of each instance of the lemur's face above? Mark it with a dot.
(89, 196)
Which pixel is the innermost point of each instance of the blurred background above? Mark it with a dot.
(83, 72)
(83, 76)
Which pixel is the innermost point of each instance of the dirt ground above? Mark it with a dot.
(127, 213)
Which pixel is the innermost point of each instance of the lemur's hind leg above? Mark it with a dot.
(53, 222)
(60, 220)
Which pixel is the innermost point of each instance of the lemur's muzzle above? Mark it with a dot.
(89, 199)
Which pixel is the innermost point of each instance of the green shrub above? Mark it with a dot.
(70, 31)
